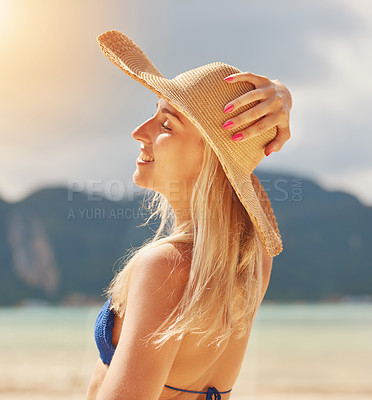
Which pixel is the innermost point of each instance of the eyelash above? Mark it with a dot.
(165, 127)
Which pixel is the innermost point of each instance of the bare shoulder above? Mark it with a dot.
(167, 264)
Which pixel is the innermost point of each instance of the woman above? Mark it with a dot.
(179, 314)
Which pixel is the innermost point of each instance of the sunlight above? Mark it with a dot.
(9, 21)
(4, 15)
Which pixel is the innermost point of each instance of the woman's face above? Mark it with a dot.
(176, 147)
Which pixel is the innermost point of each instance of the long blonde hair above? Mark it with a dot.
(226, 266)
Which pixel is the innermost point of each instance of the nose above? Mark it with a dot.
(143, 132)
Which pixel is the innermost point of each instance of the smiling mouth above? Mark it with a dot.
(139, 161)
(144, 159)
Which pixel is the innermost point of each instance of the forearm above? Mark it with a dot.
(95, 383)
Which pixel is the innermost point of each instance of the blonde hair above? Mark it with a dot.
(226, 268)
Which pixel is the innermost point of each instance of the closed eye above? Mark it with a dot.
(165, 127)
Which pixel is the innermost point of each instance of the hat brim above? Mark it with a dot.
(124, 53)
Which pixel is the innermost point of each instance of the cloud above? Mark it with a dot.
(68, 112)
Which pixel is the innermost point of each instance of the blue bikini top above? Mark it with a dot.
(103, 333)
(103, 336)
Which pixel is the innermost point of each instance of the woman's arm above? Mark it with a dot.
(273, 109)
(136, 371)
(96, 380)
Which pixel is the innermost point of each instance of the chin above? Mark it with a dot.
(138, 181)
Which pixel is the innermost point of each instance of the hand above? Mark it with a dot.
(272, 110)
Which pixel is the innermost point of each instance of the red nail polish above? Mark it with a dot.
(228, 124)
(229, 79)
(229, 108)
(238, 137)
(269, 153)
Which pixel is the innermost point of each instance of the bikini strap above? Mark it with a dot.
(212, 391)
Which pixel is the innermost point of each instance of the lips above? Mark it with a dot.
(147, 154)
(140, 161)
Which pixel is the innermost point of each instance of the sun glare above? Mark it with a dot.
(4, 7)
(9, 20)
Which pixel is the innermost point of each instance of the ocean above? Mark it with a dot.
(296, 351)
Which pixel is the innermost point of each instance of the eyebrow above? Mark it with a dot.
(166, 111)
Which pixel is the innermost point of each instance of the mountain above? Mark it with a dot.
(63, 246)
(326, 240)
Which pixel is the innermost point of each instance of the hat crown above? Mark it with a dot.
(204, 89)
(202, 94)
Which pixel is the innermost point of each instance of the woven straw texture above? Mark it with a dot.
(201, 95)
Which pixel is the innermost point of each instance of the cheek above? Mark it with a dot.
(193, 159)
(178, 160)
(164, 151)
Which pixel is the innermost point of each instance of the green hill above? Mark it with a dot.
(57, 249)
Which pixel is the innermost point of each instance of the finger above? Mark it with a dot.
(277, 143)
(250, 97)
(257, 80)
(261, 126)
(270, 106)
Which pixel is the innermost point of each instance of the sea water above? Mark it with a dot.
(295, 351)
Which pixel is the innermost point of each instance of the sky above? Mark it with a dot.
(67, 112)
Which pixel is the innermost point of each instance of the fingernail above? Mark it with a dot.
(228, 124)
(237, 137)
(269, 153)
(229, 108)
(229, 78)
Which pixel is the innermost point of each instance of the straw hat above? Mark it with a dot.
(201, 94)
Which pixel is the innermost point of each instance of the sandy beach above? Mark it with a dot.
(307, 352)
